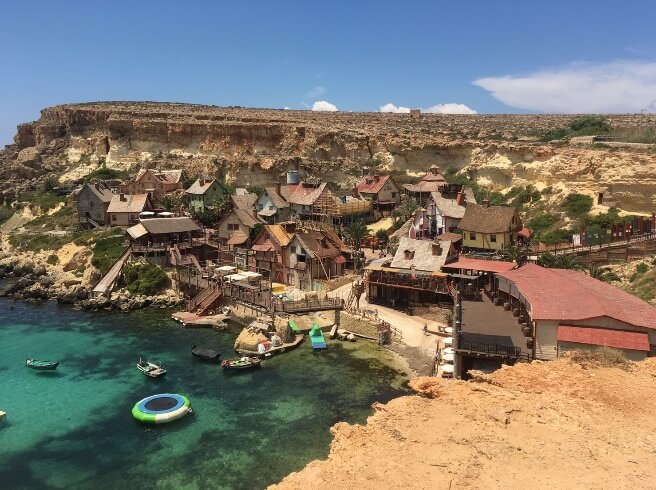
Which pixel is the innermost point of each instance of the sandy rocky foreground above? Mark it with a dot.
(541, 425)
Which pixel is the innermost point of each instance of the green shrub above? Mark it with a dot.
(542, 222)
(589, 126)
(146, 279)
(577, 205)
(107, 251)
(5, 213)
(52, 259)
(44, 200)
(35, 242)
(105, 173)
(641, 268)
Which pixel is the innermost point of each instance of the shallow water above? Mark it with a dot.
(73, 428)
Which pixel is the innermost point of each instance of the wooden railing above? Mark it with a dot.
(309, 304)
(474, 343)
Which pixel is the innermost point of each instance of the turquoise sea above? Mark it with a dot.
(73, 428)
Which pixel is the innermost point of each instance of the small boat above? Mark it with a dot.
(240, 363)
(41, 365)
(2, 414)
(151, 369)
(205, 354)
(293, 326)
(316, 337)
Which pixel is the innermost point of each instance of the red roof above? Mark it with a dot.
(525, 232)
(495, 266)
(339, 259)
(560, 294)
(377, 183)
(604, 337)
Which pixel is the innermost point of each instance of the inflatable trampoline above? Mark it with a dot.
(160, 409)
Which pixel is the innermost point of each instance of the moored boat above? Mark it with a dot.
(151, 369)
(240, 363)
(316, 337)
(205, 354)
(41, 365)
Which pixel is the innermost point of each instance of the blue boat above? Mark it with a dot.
(316, 337)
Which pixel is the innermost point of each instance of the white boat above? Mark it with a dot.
(2, 414)
(151, 369)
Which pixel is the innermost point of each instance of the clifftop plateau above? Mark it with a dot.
(256, 146)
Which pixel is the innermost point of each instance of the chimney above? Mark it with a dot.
(486, 203)
(278, 187)
(202, 181)
(460, 199)
(122, 197)
(365, 171)
(437, 248)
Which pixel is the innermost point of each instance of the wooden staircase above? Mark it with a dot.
(204, 300)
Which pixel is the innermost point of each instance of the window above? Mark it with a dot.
(493, 238)
(90, 204)
(393, 195)
(233, 226)
(113, 217)
(271, 208)
(472, 236)
(260, 207)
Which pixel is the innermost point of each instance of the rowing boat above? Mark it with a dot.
(41, 365)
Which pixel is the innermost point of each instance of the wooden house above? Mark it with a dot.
(269, 251)
(157, 183)
(488, 227)
(124, 209)
(92, 203)
(271, 206)
(311, 256)
(381, 190)
(203, 194)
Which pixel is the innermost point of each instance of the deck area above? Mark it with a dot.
(492, 324)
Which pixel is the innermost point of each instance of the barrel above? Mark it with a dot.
(506, 306)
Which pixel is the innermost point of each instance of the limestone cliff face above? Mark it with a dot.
(257, 146)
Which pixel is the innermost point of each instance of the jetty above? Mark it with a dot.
(106, 283)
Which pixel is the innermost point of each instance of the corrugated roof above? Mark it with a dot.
(246, 217)
(495, 266)
(277, 200)
(419, 253)
(371, 184)
(449, 236)
(448, 207)
(278, 233)
(244, 201)
(158, 226)
(490, 219)
(302, 193)
(100, 190)
(424, 187)
(562, 295)
(604, 337)
(237, 238)
(137, 231)
(434, 177)
(316, 244)
(132, 203)
(198, 189)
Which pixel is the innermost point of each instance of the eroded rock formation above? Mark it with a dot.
(256, 146)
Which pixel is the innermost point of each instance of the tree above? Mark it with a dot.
(221, 205)
(357, 231)
(406, 210)
(256, 230)
(567, 262)
(547, 259)
(382, 237)
(602, 273)
(171, 202)
(515, 253)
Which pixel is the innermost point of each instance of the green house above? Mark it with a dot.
(203, 193)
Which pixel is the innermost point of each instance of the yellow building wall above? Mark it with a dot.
(483, 241)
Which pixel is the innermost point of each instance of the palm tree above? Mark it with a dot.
(567, 262)
(515, 253)
(357, 231)
(602, 273)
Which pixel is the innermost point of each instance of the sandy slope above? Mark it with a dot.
(544, 425)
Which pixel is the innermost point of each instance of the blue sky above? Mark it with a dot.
(501, 56)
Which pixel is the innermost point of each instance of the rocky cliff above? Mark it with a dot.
(257, 146)
(559, 424)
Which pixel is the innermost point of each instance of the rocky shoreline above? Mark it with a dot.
(33, 282)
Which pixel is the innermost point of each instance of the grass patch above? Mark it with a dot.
(5, 213)
(107, 251)
(581, 126)
(63, 218)
(146, 279)
(35, 242)
(52, 259)
(44, 200)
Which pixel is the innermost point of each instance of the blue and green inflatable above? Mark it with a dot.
(160, 409)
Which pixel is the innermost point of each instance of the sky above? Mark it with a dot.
(442, 56)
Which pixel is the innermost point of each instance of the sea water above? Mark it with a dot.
(73, 427)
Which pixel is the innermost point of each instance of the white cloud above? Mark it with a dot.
(450, 108)
(618, 86)
(315, 92)
(392, 108)
(322, 105)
